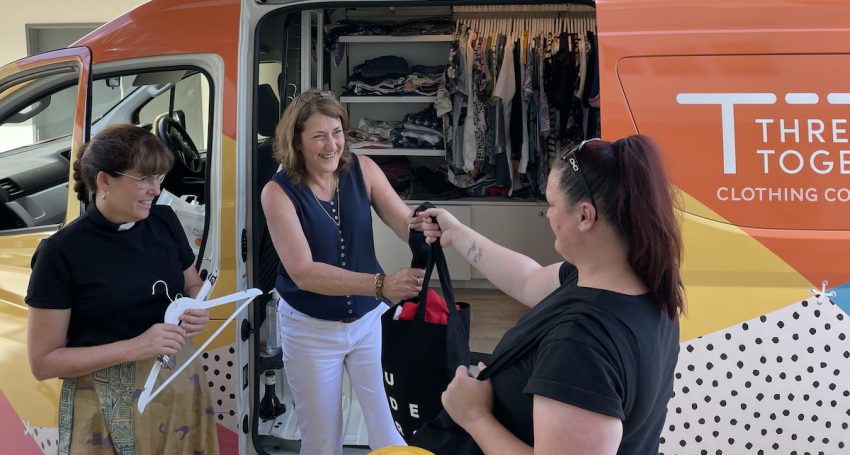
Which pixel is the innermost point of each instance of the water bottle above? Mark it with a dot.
(272, 342)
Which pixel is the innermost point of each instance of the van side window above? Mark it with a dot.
(35, 145)
(191, 101)
(175, 106)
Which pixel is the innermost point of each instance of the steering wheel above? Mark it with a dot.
(178, 140)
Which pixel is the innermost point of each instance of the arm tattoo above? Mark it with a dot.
(476, 252)
(471, 249)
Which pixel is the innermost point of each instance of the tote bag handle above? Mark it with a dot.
(427, 257)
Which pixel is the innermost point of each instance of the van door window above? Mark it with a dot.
(35, 146)
(175, 106)
(191, 99)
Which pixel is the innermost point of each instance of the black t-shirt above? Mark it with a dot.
(106, 274)
(611, 353)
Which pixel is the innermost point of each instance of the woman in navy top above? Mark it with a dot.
(93, 320)
(319, 212)
(589, 368)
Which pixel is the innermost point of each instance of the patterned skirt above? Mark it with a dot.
(98, 412)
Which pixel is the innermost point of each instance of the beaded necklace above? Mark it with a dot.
(336, 219)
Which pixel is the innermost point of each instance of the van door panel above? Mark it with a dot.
(22, 82)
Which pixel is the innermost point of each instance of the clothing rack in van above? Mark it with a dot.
(533, 19)
(519, 88)
(550, 8)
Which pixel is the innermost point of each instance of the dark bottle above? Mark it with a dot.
(270, 406)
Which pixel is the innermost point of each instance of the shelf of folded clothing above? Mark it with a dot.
(387, 99)
(399, 152)
(395, 39)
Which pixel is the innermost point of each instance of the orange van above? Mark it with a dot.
(749, 100)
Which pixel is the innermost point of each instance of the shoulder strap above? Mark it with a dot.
(529, 339)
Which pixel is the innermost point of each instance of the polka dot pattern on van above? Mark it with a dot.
(220, 366)
(776, 383)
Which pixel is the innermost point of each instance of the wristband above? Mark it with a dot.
(379, 285)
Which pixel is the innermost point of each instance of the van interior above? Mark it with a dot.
(36, 139)
(410, 77)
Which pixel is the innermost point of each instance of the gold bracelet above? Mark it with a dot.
(379, 285)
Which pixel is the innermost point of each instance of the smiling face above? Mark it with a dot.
(321, 143)
(127, 199)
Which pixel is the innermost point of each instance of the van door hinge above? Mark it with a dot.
(244, 245)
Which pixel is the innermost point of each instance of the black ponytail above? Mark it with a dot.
(648, 219)
(632, 192)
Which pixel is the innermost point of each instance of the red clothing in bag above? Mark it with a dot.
(437, 311)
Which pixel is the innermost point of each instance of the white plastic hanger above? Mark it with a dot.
(172, 315)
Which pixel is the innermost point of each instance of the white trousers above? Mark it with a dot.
(315, 351)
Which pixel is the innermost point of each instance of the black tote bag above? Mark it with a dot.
(419, 358)
(442, 435)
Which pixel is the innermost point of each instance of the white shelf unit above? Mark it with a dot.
(387, 99)
(416, 49)
(400, 152)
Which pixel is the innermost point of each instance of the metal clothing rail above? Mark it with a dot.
(559, 8)
(532, 18)
(532, 25)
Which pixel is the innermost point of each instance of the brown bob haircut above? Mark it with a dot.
(119, 148)
(287, 145)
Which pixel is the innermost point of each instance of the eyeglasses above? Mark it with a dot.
(572, 160)
(146, 182)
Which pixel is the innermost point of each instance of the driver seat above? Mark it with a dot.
(268, 114)
(265, 166)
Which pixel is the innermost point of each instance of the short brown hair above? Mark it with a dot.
(291, 125)
(118, 148)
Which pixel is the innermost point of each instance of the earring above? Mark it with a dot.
(104, 196)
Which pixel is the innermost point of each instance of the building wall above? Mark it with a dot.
(16, 15)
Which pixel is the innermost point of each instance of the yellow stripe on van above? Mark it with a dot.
(729, 276)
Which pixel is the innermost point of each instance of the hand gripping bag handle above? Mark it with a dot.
(429, 256)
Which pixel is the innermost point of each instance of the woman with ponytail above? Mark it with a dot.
(589, 368)
(93, 320)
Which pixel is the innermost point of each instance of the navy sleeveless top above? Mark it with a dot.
(351, 246)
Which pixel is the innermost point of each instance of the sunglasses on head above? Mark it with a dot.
(313, 96)
(572, 163)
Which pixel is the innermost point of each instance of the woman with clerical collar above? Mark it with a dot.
(94, 320)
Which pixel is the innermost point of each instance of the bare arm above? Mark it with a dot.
(392, 210)
(193, 321)
(192, 281)
(51, 358)
(558, 425)
(559, 428)
(514, 273)
(309, 275)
